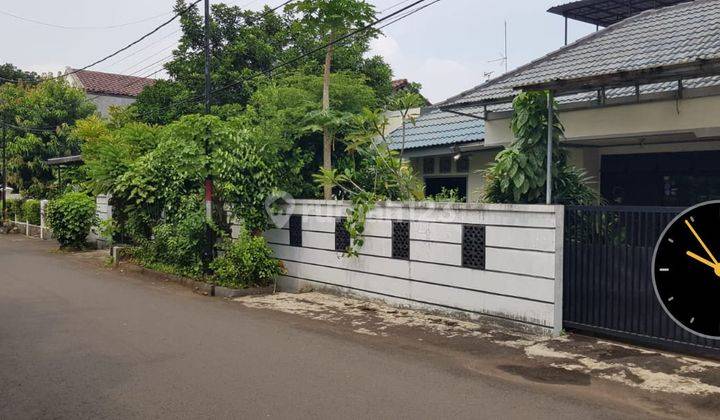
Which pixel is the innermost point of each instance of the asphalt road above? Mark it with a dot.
(80, 341)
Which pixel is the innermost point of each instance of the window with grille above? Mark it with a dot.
(342, 236)
(445, 165)
(295, 230)
(429, 165)
(473, 246)
(401, 240)
(462, 164)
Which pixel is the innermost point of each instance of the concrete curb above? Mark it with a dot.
(199, 287)
(228, 293)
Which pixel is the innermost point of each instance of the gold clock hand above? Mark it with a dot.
(712, 257)
(700, 259)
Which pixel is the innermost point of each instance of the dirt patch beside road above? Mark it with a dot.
(567, 359)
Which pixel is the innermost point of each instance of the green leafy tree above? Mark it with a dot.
(329, 20)
(52, 106)
(285, 117)
(376, 173)
(10, 74)
(245, 46)
(152, 103)
(244, 43)
(151, 171)
(518, 174)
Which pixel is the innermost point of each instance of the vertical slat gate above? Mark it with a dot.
(608, 279)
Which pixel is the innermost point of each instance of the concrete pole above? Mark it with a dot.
(208, 180)
(43, 223)
(550, 122)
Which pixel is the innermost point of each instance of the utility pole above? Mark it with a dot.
(4, 173)
(208, 179)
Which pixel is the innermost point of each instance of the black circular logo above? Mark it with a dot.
(686, 269)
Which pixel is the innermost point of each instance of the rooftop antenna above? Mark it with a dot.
(504, 56)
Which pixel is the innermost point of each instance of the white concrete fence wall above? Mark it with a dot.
(521, 282)
(42, 231)
(103, 211)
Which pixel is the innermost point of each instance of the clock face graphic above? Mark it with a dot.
(686, 269)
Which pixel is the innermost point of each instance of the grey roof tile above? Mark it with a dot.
(672, 35)
(436, 128)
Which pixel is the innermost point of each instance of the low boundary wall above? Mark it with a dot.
(502, 261)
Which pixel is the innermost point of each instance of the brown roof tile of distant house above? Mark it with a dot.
(399, 84)
(111, 84)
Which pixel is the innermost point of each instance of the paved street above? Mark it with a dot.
(78, 340)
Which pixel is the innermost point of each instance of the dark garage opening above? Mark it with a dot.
(661, 179)
(434, 186)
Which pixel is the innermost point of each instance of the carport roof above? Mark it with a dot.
(607, 12)
(672, 36)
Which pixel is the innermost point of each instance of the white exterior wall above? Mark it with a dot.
(689, 124)
(696, 117)
(522, 281)
(104, 102)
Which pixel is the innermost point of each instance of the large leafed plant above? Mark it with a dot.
(519, 175)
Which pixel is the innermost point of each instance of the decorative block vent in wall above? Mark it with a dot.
(342, 236)
(401, 240)
(473, 246)
(295, 230)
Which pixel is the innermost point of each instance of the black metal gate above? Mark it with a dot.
(607, 277)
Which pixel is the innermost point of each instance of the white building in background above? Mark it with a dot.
(107, 89)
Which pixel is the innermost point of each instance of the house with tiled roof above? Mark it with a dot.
(639, 100)
(444, 149)
(107, 89)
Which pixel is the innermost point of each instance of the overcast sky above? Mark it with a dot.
(448, 47)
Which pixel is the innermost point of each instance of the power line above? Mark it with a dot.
(325, 46)
(29, 129)
(412, 12)
(130, 45)
(142, 38)
(149, 57)
(339, 40)
(164, 59)
(398, 15)
(145, 48)
(392, 6)
(53, 25)
(272, 10)
(262, 16)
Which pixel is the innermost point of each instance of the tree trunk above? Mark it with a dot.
(327, 135)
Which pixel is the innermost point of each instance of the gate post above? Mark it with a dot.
(559, 266)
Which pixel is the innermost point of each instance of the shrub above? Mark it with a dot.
(71, 216)
(178, 243)
(246, 262)
(31, 211)
(15, 209)
(446, 195)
